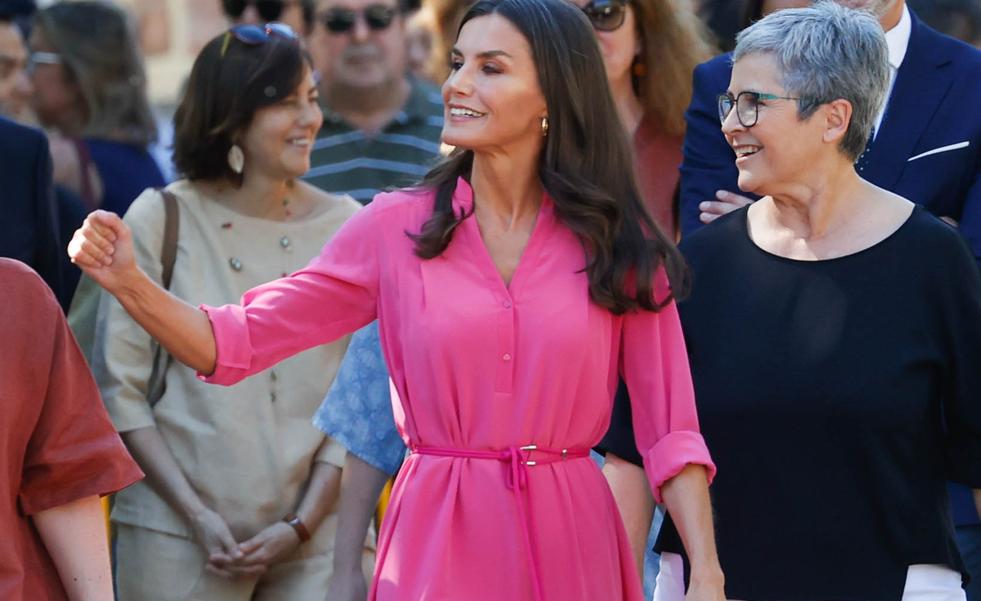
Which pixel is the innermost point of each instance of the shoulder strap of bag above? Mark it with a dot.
(172, 225)
(168, 256)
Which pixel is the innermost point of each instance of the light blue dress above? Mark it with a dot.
(357, 411)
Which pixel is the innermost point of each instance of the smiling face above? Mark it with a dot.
(280, 137)
(776, 151)
(492, 97)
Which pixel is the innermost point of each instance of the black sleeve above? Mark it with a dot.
(48, 245)
(961, 315)
(619, 439)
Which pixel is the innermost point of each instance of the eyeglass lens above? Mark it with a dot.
(269, 10)
(747, 105)
(376, 16)
(606, 15)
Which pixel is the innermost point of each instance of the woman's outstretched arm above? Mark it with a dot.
(103, 249)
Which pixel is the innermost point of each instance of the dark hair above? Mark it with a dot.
(585, 166)
(229, 82)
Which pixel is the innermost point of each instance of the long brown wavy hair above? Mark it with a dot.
(585, 165)
(673, 42)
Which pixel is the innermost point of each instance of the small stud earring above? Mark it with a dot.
(639, 69)
(236, 159)
(544, 126)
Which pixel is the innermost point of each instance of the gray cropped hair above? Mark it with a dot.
(826, 52)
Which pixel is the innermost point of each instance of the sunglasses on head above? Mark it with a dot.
(606, 15)
(376, 16)
(269, 10)
(254, 35)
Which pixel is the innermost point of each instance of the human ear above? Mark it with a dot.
(838, 115)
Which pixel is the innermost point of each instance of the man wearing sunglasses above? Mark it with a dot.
(381, 126)
(381, 130)
(298, 14)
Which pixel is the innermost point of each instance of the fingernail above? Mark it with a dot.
(720, 194)
(703, 206)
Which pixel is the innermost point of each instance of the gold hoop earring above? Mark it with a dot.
(236, 159)
(544, 126)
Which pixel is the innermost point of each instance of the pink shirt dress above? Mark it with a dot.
(484, 371)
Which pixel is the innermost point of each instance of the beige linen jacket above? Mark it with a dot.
(247, 449)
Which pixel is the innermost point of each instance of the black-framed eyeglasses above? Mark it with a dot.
(376, 16)
(254, 35)
(269, 10)
(606, 15)
(747, 105)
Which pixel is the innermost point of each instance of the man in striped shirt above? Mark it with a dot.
(381, 126)
(381, 130)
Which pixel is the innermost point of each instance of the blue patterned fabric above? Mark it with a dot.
(358, 409)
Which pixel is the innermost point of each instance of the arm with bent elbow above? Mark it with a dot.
(103, 249)
(75, 536)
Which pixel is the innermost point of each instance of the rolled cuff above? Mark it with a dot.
(671, 454)
(233, 346)
(331, 452)
(128, 416)
(107, 471)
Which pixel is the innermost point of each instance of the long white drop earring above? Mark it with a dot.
(236, 159)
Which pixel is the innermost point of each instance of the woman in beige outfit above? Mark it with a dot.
(240, 485)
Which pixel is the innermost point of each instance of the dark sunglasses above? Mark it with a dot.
(377, 16)
(606, 15)
(269, 10)
(254, 35)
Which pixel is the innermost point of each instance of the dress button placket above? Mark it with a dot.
(505, 344)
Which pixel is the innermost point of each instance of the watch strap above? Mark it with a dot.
(297, 524)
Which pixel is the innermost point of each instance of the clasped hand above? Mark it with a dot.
(251, 558)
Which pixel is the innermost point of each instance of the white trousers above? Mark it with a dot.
(924, 582)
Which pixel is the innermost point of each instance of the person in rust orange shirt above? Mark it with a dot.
(58, 451)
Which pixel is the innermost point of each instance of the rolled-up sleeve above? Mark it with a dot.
(334, 295)
(654, 365)
(73, 452)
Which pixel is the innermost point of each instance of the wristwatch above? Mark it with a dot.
(297, 524)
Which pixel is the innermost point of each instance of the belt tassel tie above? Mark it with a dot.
(518, 460)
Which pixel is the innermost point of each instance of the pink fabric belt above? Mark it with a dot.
(519, 459)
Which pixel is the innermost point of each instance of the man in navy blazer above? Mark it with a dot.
(926, 149)
(28, 214)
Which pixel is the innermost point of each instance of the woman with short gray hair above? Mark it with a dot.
(833, 333)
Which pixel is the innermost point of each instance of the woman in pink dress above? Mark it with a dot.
(512, 288)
